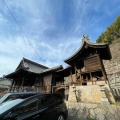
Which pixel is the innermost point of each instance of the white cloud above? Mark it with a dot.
(12, 50)
(15, 48)
(54, 31)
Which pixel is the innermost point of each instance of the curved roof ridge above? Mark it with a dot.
(85, 39)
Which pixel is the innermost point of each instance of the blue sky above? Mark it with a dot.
(54, 27)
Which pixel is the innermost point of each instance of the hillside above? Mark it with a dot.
(111, 34)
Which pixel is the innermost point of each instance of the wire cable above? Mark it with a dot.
(21, 28)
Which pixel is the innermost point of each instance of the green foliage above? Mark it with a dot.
(112, 33)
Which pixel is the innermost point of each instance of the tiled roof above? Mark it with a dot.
(31, 66)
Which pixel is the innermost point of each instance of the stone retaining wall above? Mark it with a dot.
(91, 94)
(112, 68)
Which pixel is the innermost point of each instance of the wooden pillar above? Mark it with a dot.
(18, 85)
(12, 86)
(80, 76)
(104, 76)
(22, 85)
(103, 70)
(71, 76)
(75, 71)
(86, 78)
(36, 84)
(91, 78)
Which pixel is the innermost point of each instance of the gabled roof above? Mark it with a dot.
(31, 66)
(102, 48)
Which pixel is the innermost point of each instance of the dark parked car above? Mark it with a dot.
(16, 95)
(37, 107)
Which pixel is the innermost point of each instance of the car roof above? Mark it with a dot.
(41, 95)
(12, 93)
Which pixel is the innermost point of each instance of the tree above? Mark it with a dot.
(112, 33)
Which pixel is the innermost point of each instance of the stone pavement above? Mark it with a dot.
(89, 111)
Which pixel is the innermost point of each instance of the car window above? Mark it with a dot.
(4, 98)
(47, 100)
(29, 106)
(10, 97)
(9, 104)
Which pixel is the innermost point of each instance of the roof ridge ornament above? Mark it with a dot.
(85, 38)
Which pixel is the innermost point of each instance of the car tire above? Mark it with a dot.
(60, 117)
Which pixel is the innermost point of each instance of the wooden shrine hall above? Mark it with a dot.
(31, 76)
(87, 66)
